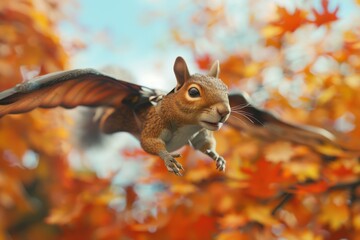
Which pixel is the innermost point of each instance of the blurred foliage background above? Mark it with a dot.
(298, 59)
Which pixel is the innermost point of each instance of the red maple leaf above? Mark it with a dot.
(325, 16)
(265, 179)
(289, 22)
(203, 61)
(311, 188)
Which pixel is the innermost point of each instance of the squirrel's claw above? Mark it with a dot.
(178, 165)
(220, 161)
(220, 164)
(174, 166)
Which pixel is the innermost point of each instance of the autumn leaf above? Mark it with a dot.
(356, 221)
(66, 214)
(303, 170)
(204, 62)
(341, 170)
(260, 213)
(325, 16)
(150, 222)
(183, 188)
(204, 203)
(289, 22)
(301, 235)
(198, 174)
(279, 152)
(233, 221)
(264, 181)
(335, 212)
(231, 235)
(311, 188)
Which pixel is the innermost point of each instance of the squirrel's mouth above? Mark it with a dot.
(213, 126)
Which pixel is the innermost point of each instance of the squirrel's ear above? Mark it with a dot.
(215, 69)
(181, 72)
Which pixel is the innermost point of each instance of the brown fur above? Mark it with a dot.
(178, 118)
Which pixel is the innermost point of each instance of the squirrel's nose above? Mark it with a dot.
(223, 112)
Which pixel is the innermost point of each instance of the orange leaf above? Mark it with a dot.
(183, 188)
(313, 188)
(150, 223)
(204, 61)
(335, 211)
(325, 16)
(264, 180)
(289, 22)
(232, 235)
(198, 174)
(66, 213)
(260, 213)
(233, 221)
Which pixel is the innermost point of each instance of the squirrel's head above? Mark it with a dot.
(200, 99)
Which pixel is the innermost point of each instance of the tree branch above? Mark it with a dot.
(351, 186)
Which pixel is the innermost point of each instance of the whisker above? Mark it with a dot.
(241, 120)
(240, 106)
(245, 113)
(248, 116)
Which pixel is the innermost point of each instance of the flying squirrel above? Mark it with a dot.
(163, 122)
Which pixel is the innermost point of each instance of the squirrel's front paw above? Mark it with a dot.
(172, 165)
(220, 163)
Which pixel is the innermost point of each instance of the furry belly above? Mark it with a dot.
(179, 138)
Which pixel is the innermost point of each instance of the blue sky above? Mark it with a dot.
(134, 35)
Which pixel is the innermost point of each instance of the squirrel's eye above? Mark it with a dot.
(194, 92)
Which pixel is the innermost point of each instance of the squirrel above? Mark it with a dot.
(163, 122)
(189, 114)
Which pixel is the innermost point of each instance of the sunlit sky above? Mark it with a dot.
(129, 34)
(136, 35)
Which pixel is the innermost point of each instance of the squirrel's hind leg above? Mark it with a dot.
(206, 143)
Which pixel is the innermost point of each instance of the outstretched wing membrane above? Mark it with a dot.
(254, 121)
(68, 89)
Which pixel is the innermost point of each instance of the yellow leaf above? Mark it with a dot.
(329, 150)
(225, 204)
(356, 221)
(183, 188)
(66, 213)
(303, 170)
(300, 235)
(326, 95)
(233, 221)
(353, 80)
(335, 211)
(271, 31)
(251, 69)
(260, 214)
(104, 198)
(232, 235)
(198, 174)
(279, 152)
